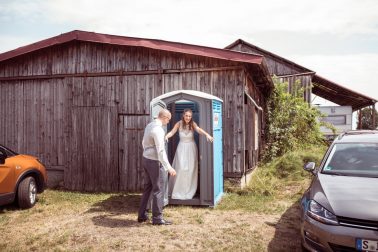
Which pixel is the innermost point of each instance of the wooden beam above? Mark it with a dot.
(294, 75)
(359, 119)
(119, 73)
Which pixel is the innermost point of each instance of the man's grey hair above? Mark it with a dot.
(163, 113)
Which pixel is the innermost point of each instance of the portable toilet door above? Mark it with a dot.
(217, 150)
(210, 156)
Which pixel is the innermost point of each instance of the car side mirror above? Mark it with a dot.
(310, 167)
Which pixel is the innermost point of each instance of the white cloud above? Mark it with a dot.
(31, 11)
(353, 71)
(178, 17)
(9, 42)
(199, 20)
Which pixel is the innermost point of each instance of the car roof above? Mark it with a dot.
(364, 136)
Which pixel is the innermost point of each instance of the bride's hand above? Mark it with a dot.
(166, 138)
(209, 138)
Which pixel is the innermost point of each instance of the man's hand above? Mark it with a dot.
(172, 172)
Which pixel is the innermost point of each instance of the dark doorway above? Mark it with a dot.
(177, 109)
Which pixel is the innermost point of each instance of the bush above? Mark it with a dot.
(291, 122)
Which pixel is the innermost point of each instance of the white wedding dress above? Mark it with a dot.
(185, 162)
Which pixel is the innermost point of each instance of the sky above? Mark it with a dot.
(338, 39)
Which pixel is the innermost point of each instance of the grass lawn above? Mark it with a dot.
(67, 221)
(262, 217)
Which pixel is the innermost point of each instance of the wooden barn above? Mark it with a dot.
(80, 101)
(288, 71)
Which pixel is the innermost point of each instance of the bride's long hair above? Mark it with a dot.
(183, 123)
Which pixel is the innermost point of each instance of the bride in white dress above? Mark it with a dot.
(185, 162)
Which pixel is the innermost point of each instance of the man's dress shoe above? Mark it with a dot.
(144, 219)
(162, 222)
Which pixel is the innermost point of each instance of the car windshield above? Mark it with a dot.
(353, 159)
(8, 151)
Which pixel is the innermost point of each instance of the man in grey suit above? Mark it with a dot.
(155, 163)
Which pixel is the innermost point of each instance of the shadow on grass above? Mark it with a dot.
(115, 206)
(14, 207)
(112, 221)
(118, 204)
(287, 236)
(9, 207)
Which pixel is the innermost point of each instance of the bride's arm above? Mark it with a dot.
(173, 131)
(201, 131)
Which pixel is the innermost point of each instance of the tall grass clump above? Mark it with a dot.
(275, 185)
(271, 178)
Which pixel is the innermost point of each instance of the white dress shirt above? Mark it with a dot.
(154, 145)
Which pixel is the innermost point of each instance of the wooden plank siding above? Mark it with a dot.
(251, 113)
(285, 71)
(34, 119)
(131, 129)
(94, 150)
(275, 66)
(91, 127)
(305, 82)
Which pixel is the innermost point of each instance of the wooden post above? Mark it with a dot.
(359, 119)
(373, 111)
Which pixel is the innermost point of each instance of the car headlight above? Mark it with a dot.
(319, 213)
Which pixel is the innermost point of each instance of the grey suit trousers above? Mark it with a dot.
(154, 181)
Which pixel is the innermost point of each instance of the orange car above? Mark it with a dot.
(21, 178)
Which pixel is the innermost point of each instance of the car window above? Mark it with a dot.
(359, 159)
(3, 155)
(8, 152)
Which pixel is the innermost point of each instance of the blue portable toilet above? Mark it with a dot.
(207, 113)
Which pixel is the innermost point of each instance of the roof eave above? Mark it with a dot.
(138, 42)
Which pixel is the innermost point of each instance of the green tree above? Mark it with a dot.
(291, 122)
(365, 118)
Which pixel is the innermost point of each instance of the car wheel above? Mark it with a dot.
(27, 193)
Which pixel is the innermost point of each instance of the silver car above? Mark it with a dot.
(340, 208)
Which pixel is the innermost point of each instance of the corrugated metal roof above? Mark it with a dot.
(321, 86)
(256, 62)
(339, 94)
(140, 42)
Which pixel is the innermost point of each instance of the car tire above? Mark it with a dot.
(27, 193)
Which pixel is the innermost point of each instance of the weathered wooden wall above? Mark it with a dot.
(34, 119)
(82, 107)
(131, 130)
(285, 71)
(275, 66)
